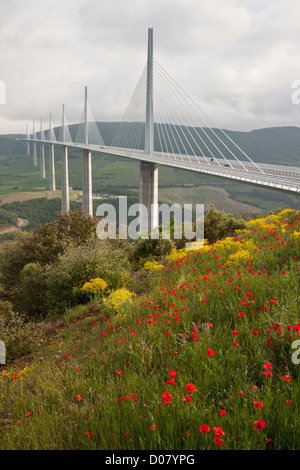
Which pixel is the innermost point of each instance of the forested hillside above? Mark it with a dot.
(277, 145)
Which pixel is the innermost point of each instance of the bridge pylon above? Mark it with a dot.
(42, 153)
(65, 197)
(34, 154)
(27, 143)
(87, 196)
(52, 186)
(149, 171)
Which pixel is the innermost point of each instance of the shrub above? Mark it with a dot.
(79, 264)
(151, 249)
(152, 266)
(16, 334)
(6, 308)
(116, 300)
(29, 294)
(95, 288)
(43, 245)
(218, 225)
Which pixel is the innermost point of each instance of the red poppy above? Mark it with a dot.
(219, 432)
(210, 352)
(218, 441)
(204, 428)
(222, 413)
(267, 373)
(258, 404)
(166, 397)
(267, 365)
(154, 426)
(190, 388)
(172, 373)
(170, 382)
(260, 424)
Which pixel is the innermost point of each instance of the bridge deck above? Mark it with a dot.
(277, 177)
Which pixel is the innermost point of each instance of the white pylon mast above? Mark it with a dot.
(149, 133)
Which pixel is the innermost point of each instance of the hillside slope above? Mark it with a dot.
(201, 356)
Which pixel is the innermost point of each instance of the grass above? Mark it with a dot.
(97, 380)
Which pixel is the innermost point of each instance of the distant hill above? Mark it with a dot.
(277, 145)
(117, 175)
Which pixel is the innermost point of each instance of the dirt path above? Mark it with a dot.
(21, 222)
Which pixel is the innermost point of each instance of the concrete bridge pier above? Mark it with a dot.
(42, 161)
(65, 198)
(87, 196)
(34, 154)
(27, 143)
(52, 186)
(148, 196)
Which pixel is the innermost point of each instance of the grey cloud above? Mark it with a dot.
(237, 57)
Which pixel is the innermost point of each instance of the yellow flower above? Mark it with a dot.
(152, 266)
(94, 286)
(177, 254)
(239, 257)
(116, 299)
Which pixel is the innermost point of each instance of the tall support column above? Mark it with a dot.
(148, 196)
(87, 197)
(34, 153)
(27, 143)
(42, 154)
(65, 198)
(42, 161)
(149, 171)
(52, 186)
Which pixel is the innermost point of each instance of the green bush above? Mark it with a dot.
(218, 225)
(43, 245)
(16, 334)
(29, 294)
(78, 265)
(154, 249)
(6, 308)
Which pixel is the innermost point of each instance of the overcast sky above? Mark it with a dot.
(238, 58)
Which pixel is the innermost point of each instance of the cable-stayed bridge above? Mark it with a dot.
(162, 125)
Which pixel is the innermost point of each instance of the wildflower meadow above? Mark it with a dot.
(200, 353)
